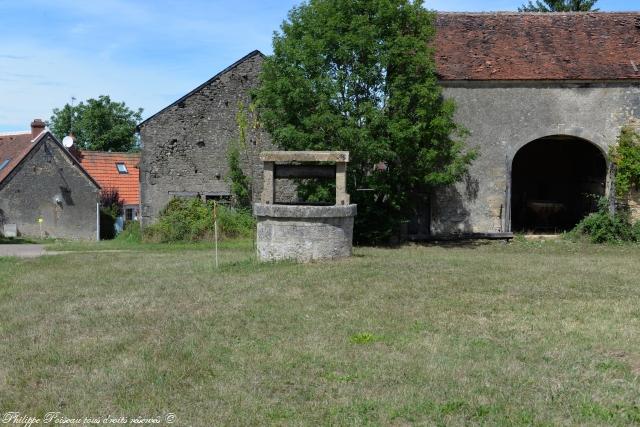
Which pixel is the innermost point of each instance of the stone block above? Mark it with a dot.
(10, 230)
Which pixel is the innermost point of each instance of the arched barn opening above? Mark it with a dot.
(556, 182)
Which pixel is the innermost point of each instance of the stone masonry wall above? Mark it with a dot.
(31, 191)
(502, 117)
(184, 148)
(304, 233)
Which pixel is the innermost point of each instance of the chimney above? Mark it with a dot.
(37, 126)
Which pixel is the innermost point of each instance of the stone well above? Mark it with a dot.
(304, 232)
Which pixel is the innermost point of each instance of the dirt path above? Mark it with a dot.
(23, 251)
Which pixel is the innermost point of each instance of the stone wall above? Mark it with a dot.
(502, 117)
(49, 185)
(184, 147)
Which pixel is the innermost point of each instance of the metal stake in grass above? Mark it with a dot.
(215, 228)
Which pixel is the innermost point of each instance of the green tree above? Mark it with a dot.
(98, 124)
(559, 6)
(360, 76)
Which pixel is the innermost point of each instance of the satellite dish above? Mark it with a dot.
(67, 141)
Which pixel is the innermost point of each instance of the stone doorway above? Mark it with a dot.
(556, 181)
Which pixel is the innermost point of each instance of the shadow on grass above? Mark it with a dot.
(457, 244)
(15, 241)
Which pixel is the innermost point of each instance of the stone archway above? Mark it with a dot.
(555, 182)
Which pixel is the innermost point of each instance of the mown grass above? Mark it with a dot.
(540, 333)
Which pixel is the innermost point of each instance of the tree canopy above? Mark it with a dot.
(559, 6)
(98, 124)
(360, 76)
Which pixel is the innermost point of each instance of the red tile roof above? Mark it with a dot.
(102, 167)
(13, 147)
(538, 46)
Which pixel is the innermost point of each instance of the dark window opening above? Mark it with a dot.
(419, 223)
(222, 199)
(556, 181)
(48, 155)
(128, 214)
(66, 196)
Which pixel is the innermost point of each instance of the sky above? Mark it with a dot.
(147, 53)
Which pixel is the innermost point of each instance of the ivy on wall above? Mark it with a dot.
(625, 155)
(242, 184)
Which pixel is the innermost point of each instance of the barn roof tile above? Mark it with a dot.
(538, 46)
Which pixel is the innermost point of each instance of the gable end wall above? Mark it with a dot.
(184, 148)
(31, 190)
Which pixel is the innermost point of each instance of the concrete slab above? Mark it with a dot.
(535, 237)
(22, 251)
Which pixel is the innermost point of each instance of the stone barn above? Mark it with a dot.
(543, 95)
(44, 191)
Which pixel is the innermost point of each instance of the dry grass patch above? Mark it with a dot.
(526, 333)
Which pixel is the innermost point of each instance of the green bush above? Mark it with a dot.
(239, 182)
(625, 155)
(191, 220)
(110, 209)
(635, 231)
(241, 185)
(131, 233)
(602, 227)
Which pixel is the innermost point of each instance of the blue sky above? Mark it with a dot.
(146, 53)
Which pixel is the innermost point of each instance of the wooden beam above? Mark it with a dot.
(304, 171)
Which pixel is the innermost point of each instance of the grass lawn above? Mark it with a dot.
(517, 334)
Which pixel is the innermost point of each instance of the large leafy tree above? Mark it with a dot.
(98, 124)
(360, 75)
(559, 6)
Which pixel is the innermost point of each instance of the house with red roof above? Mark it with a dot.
(116, 171)
(44, 190)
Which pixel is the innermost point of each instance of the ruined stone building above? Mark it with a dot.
(543, 96)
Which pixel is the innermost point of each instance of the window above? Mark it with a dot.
(128, 214)
(221, 199)
(4, 163)
(122, 168)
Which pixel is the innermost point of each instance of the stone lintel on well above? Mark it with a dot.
(305, 156)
